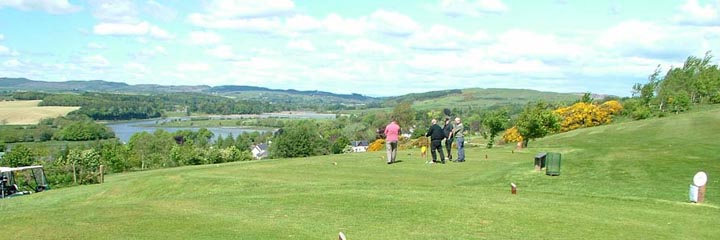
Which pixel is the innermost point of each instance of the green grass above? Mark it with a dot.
(621, 181)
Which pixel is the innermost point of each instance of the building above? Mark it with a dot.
(359, 146)
(259, 151)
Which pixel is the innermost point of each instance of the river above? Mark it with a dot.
(124, 130)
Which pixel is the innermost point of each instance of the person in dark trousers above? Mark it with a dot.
(448, 137)
(459, 134)
(436, 135)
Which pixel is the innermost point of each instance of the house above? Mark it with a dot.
(259, 151)
(359, 146)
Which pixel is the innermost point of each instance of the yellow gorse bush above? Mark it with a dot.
(512, 135)
(584, 114)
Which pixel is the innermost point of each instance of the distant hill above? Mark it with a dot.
(453, 98)
(241, 92)
(480, 98)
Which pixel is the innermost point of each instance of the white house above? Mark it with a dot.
(259, 151)
(359, 146)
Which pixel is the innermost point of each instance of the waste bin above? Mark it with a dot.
(693, 193)
(540, 161)
(552, 161)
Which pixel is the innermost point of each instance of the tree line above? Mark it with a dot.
(108, 106)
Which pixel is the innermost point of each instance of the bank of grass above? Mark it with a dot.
(621, 181)
(28, 112)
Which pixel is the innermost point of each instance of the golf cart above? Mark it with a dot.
(22, 181)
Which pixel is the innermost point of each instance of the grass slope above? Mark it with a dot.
(626, 181)
(479, 98)
(28, 112)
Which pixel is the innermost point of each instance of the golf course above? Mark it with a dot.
(620, 181)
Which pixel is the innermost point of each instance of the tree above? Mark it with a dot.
(494, 123)
(18, 156)
(302, 139)
(339, 145)
(536, 121)
(404, 113)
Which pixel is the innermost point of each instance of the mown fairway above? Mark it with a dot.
(28, 112)
(623, 181)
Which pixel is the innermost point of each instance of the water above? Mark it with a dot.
(125, 130)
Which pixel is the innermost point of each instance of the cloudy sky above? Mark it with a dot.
(371, 47)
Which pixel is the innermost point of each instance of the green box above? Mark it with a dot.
(552, 164)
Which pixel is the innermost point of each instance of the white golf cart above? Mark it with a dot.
(22, 181)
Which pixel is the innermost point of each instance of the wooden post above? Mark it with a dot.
(74, 173)
(102, 175)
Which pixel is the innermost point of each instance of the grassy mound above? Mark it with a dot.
(626, 180)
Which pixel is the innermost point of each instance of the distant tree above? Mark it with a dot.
(18, 156)
(302, 139)
(536, 121)
(339, 145)
(404, 113)
(494, 123)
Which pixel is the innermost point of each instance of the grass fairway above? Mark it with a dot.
(623, 181)
(28, 112)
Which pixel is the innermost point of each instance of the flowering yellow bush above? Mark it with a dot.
(377, 145)
(512, 135)
(612, 106)
(584, 114)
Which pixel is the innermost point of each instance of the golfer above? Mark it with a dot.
(447, 129)
(458, 133)
(392, 131)
(436, 135)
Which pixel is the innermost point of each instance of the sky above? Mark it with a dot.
(370, 47)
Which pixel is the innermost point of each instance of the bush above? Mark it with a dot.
(377, 145)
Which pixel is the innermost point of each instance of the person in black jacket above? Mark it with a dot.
(448, 129)
(436, 135)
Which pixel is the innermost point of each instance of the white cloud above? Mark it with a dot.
(12, 63)
(364, 46)
(152, 52)
(160, 11)
(114, 11)
(260, 63)
(204, 38)
(692, 13)
(50, 6)
(2, 37)
(4, 50)
(94, 45)
(472, 7)
(222, 52)
(336, 24)
(443, 38)
(301, 44)
(246, 24)
(517, 44)
(302, 23)
(245, 15)
(127, 29)
(193, 67)
(393, 23)
(651, 40)
(249, 8)
(136, 67)
(95, 61)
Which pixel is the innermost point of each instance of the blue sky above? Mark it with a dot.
(371, 47)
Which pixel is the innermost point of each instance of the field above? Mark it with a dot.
(28, 112)
(621, 181)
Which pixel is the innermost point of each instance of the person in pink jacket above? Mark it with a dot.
(392, 132)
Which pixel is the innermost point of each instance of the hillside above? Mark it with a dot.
(619, 181)
(473, 97)
(479, 98)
